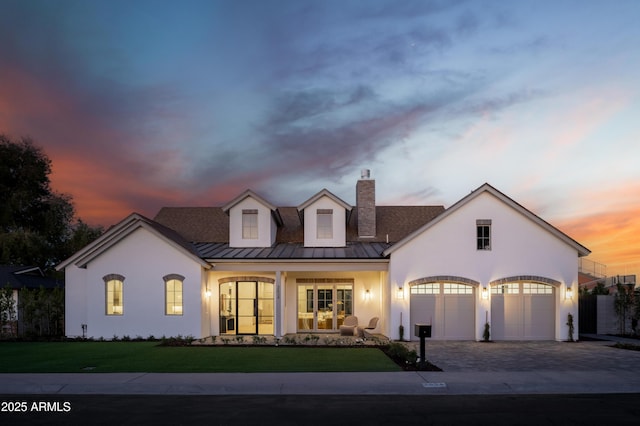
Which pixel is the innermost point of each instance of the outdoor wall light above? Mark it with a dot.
(367, 295)
(569, 293)
(400, 293)
(485, 293)
(207, 293)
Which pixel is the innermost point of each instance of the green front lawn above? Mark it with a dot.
(112, 357)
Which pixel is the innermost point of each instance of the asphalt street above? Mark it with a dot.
(584, 409)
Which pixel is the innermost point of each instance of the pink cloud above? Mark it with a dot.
(108, 166)
(611, 234)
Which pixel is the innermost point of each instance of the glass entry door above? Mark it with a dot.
(246, 307)
(323, 307)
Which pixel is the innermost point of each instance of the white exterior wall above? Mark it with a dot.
(519, 246)
(339, 224)
(75, 300)
(143, 259)
(266, 225)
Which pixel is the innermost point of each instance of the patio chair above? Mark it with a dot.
(348, 328)
(368, 330)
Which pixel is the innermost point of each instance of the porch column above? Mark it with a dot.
(278, 307)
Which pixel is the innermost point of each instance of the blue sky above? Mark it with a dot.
(142, 104)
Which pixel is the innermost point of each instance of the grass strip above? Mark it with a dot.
(149, 357)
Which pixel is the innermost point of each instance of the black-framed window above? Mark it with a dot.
(483, 234)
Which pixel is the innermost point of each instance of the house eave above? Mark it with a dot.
(325, 193)
(120, 231)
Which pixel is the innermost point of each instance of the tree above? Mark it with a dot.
(624, 303)
(81, 235)
(43, 312)
(36, 223)
(24, 183)
(8, 313)
(636, 311)
(599, 289)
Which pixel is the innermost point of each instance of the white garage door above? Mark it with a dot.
(448, 307)
(523, 311)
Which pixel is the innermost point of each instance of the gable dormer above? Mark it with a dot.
(253, 221)
(324, 217)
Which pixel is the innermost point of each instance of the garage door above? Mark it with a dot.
(523, 311)
(448, 307)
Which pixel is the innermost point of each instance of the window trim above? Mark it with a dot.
(111, 278)
(483, 235)
(324, 232)
(250, 229)
(167, 279)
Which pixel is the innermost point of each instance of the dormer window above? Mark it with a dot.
(250, 224)
(325, 223)
(324, 217)
(483, 234)
(253, 221)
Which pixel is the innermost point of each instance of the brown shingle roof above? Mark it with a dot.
(211, 224)
(395, 221)
(292, 230)
(196, 224)
(172, 234)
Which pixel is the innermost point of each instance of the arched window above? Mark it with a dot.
(173, 294)
(114, 291)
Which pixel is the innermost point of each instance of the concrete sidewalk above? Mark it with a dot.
(395, 383)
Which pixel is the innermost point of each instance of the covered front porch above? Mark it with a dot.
(294, 300)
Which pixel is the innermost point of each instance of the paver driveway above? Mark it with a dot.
(455, 356)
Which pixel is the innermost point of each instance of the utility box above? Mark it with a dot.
(422, 330)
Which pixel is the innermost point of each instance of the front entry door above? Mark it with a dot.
(323, 307)
(246, 307)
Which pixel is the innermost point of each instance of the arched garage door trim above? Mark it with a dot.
(444, 279)
(530, 278)
(447, 303)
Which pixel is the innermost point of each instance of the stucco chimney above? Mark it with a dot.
(366, 205)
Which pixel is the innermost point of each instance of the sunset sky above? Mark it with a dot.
(143, 104)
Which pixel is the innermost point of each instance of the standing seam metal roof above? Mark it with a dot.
(353, 250)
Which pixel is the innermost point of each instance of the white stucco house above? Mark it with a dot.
(251, 268)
